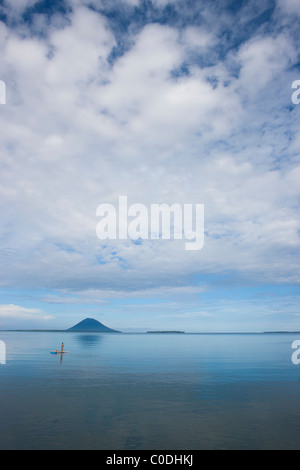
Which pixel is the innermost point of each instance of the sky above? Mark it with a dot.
(164, 102)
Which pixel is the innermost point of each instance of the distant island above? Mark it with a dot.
(90, 325)
(280, 332)
(166, 332)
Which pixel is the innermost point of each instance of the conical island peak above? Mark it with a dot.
(91, 325)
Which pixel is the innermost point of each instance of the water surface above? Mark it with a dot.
(141, 391)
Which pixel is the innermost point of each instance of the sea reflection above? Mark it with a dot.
(139, 391)
(88, 340)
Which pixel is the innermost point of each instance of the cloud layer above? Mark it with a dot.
(163, 104)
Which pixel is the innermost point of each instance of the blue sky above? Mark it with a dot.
(164, 101)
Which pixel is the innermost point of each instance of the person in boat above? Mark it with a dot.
(62, 347)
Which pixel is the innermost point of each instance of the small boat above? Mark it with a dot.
(59, 352)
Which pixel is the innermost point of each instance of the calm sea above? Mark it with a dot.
(149, 391)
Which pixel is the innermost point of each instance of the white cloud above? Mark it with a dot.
(263, 59)
(79, 131)
(195, 37)
(11, 313)
(163, 3)
(289, 6)
(18, 7)
(79, 50)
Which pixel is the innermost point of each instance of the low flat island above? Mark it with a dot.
(167, 332)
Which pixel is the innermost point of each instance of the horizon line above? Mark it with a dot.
(153, 332)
